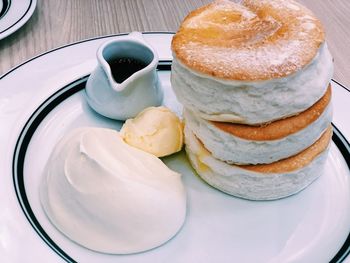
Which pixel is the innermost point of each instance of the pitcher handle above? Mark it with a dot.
(137, 36)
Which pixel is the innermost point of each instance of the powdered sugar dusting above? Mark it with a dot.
(255, 40)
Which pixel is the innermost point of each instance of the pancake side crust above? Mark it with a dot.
(278, 129)
(297, 161)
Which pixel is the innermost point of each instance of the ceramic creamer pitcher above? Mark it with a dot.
(125, 81)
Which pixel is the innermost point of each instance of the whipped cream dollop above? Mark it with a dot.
(156, 130)
(109, 196)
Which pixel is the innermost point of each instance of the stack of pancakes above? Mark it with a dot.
(254, 79)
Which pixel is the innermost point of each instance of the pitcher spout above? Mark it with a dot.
(105, 61)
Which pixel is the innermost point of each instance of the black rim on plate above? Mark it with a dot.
(6, 7)
(54, 100)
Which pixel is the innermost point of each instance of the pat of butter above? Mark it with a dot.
(156, 130)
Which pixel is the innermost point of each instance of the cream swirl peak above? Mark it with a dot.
(111, 197)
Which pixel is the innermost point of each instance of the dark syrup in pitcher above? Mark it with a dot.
(122, 68)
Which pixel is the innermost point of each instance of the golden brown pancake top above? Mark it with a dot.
(251, 41)
(281, 128)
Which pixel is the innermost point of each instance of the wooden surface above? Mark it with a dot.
(59, 22)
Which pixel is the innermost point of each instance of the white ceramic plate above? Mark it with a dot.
(43, 99)
(14, 14)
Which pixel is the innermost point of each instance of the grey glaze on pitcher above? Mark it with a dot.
(140, 90)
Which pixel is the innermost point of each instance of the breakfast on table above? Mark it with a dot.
(254, 81)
